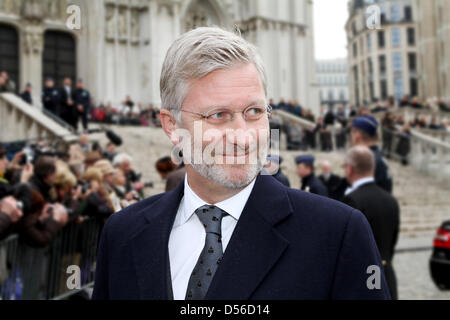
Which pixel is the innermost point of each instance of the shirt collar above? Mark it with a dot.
(361, 182)
(233, 206)
(358, 183)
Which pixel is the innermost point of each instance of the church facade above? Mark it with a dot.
(118, 46)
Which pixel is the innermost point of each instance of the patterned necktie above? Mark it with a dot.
(208, 262)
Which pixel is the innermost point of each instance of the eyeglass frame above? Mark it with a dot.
(268, 110)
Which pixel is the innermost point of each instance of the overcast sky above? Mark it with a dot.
(329, 22)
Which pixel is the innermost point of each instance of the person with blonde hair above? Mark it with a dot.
(98, 201)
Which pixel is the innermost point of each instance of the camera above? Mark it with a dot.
(85, 187)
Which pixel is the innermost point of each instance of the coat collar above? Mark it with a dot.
(254, 247)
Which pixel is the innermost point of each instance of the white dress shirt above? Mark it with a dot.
(357, 184)
(188, 235)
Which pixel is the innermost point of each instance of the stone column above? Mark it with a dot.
(31, 49)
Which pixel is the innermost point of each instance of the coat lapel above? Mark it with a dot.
(149, 247)
(255, 246)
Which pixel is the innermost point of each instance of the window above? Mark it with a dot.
(381, 41)
(396, 37)
(355, 49)
(397, 62)
(342, 95)
(330, 95)
(411, 37)
(383, 88)
(413, 87)
(408, 13)
(369, 42)
(395, 14)
(412, 64)
(371, 91)
(398, 87)
(382, 63)
(370, 64)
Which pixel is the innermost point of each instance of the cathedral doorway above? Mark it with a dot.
(9, 53)
(59, 58)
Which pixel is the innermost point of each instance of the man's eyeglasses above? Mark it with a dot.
(221, 115)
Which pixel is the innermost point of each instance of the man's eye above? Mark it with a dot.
(217, 115)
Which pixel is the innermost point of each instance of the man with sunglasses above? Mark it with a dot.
(229, 230)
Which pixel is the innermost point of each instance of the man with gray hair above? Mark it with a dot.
(228, 231)
(380, 208)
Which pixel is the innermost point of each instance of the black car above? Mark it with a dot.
(440, 259)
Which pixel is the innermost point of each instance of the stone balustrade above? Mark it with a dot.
(20, 121)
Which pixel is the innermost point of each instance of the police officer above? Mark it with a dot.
(82, 100)
(273, 167)
(50, 97)
(305, 170)
(364, 132)
(26, 95)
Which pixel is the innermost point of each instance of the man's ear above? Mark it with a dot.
(169, 125)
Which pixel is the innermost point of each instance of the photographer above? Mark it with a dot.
(97, 201)
(10, 213)
(40, 225)
(67, 192)
(123, 162)
(44, 174)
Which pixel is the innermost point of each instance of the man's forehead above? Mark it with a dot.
(230, 88)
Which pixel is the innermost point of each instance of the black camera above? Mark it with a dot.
(85, 187)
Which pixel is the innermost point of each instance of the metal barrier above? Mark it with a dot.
(28, 273)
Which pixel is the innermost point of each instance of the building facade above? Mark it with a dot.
(121, 45)
(332, 79)
(382, 61)
(434, 47)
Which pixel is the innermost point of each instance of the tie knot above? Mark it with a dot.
(211, 217)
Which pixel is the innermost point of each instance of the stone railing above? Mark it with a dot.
(20, 121)
(430, 155)
(287, 117)
(411, 113)
(440, 135)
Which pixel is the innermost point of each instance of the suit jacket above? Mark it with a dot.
(382, 211)
(315, 185)
(332, 185)
(287, 244)
(65, 109)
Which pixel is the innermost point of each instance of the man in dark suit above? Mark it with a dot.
(67, 106)
(305, 170)
(380, 208)
(82, 101)
(227, 232)
(364, 132)
(330, 180)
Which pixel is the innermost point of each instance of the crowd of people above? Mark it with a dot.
(43, 188)
(127, 113)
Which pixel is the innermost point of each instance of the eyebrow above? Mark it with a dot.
(252, 103)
